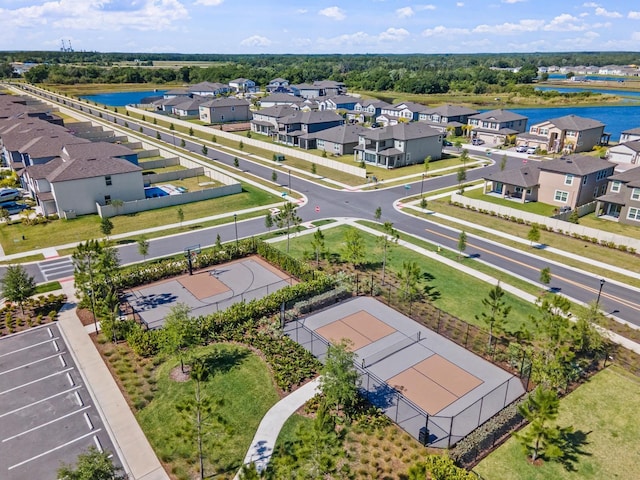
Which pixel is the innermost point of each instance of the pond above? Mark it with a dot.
(120, 99)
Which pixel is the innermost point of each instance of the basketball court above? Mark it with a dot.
(208, 290)
(417, 376)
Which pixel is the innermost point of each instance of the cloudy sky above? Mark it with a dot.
(328, 26)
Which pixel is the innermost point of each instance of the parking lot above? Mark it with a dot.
(47, 416)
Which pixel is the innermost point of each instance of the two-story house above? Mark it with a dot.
(225, 109)
(208, 89)
(447, 117)
(340, 140)
(337, 102)
(301, 123)
(278, 85)
(625, 155)
(281, 99)
(243, 85)
(367, 110)
(409, 111)
(567, 134)
(399, 145)
(494, 126)
(265, 120)
(621, 202)
(630, 135)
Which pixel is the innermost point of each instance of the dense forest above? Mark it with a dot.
(404, 73)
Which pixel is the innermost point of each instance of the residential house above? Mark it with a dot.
(410, 111)
(337, 102)
(340, 140)
(265, 120)
(494, 126)
(276, 99)
(384, 120)
(447, 117)
(366, 110)
(208, 89)
(225, 109)
(189, 107)
(243, 85)
(280, 85)
(630, 135)
(300, 123)
(625, 155)
(399, 145)
(569, 181)
(621, 202)
(324, 88)
(567, 134)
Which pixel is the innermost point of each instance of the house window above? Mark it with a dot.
(615, 186)
(584, 179)
(561, 196)
(634, 214)
(571, 133)
(602, 174)
(233, 109)
(107, 199)
(107, 180)
(595, 192)
(568, 179)
(603, 189)
(635, 194)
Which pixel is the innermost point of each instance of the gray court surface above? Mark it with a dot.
(46, 413)
(241, 280)
(408, 346)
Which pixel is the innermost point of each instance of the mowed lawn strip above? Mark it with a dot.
(241, 380)
(603, 409)
(460, 294)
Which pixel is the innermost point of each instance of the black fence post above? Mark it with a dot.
(438, 328)
(372, 284)
(466, 337)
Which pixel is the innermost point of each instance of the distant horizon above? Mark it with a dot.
(327, 27)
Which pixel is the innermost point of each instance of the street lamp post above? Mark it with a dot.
(92, 295)
(421, 186)
(235, 224)
(602, 282)
(289, 182)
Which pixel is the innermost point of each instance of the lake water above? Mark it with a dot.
(562, 76)
(120, 99)
(620, 93)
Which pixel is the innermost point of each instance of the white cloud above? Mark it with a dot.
(209, 3)
(564, 22)
(511, 28)
(460, 4)
(425, 7)
(602, 12)
(512, 1)
(393, 35)
(634, 15)
(301, 11)
(590, 5)
(333, 12)
(442, 31)
(405, 12)
(256, 41)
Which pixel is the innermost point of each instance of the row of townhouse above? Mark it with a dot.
(618, 70)
(66, 169)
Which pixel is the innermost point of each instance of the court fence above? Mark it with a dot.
(433, 430)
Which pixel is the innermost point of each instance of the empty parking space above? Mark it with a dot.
(47, 416)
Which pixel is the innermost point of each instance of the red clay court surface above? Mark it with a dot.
(361, 328)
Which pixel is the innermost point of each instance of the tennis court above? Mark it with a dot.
(206, 291)
(422, 380)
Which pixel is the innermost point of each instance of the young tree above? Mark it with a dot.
(318, 244)
(314, 168)
(427, 160)
(574, 217)
(588, 340)
(17, 285)
(268, 221)
(205, 150)
(92, 465)
(179, 332)
(143, 247)
(274, 176)
(410, 276)
(339, 378)
(464, 157)
(545, 276)
(182, 143)
(354, 248)
(106, 226)
(95, 266)
(241, 145)
(158, 136)
(541, 438)
(534, 234)
(5, 215)
(423, 203)
(503, 162)
(172, 127)
(461, 175)
(218, 242)
(191, 131)
(389, 237)
(180, 214)
(457, 144)
(378, 213)
(287, 217)
(497, 313)
(462, 243)
(236, 162)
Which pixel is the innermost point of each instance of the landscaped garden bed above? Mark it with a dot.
(34, 311)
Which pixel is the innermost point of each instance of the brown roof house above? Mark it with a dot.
(568, 134)
(621, 202)
(225, 109)
(494, 126)
(625, 155)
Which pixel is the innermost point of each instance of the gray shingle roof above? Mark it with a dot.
(277, 111)
(308, 118)
(88, 168)
(574, 122)
(450, 110)
(226, 102)
(525, 177)
(95, 149)
(630, 177)
(633, 145)
(499, 116)
(576, 165)
(341, 134)
(402, 131)
(282, 98)
(632, 131)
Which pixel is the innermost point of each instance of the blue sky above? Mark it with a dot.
(310, 26)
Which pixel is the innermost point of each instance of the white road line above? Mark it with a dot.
(39, 401)
(50, 332)
(35, 381)
(88, 420)
(78, 398)
(31, 363)
(71, 382)
(64, 364)
(96, 440)
(52, 450)
(55, 345)
(46, 424)
(27, 348)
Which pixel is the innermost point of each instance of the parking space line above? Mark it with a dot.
(71, 382)
(27, 348)
(64, 364)
(34, 381)
(32, 363)
(55, 345)
(38, 401)
(50, 332)
(96, 440)
(46, 424)
(78, 398)
(88, 420)
(52, 450)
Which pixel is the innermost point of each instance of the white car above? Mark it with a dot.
(531, 150)
(274, 211)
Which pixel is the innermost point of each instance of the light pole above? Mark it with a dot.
(92, 295)
(421, 186)
(289, 182)
(602, 282)
(235, 224)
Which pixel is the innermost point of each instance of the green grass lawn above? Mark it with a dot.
(607, 225)
(604, 411)
(60, 232)
(538, 208)
(237, 378)
(454, 286)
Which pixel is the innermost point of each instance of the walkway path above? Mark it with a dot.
(265, 438)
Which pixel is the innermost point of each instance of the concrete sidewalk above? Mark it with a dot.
(265, 438)
(137, 456)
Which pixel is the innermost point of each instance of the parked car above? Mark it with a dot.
(531, 150)
(13, 207)
(447, 143)
(7, 194)
(521, 148)
(477, 141)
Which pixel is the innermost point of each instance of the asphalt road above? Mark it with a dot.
(616, 299)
